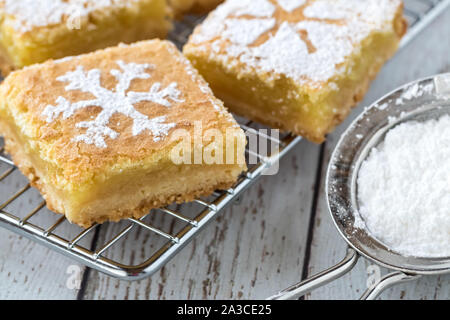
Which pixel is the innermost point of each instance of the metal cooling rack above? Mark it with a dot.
(160, 235)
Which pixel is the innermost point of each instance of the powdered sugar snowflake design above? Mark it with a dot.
(111, 102)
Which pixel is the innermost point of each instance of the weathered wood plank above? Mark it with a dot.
(426, 55)
(255, 248)
(29, 270)
(251, 251)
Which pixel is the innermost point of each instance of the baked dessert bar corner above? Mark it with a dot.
(34, 31)
(297, 65)
(111, 134)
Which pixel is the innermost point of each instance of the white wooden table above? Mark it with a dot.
(279, 234)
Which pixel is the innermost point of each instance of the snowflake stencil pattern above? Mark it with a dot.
(112, 102)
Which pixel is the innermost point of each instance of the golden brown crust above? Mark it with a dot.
(5, 66)
(54, 139)
(182, 7)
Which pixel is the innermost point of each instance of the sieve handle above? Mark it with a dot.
(386, 282)
(320, 279)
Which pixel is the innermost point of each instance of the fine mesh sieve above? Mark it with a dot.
(427, 99)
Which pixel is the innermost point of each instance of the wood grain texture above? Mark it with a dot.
(254, 249)
(410, 63)
(29, 270)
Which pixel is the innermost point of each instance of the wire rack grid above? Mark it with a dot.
(167, 230)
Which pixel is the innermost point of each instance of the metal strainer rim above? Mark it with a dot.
(374, 250)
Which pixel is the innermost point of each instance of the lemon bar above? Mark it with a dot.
(34, 31)
(111, 134)
(181, 7)
(297, 65)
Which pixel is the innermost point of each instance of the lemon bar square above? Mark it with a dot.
(111, 134)
(297, 65)
(34, 31)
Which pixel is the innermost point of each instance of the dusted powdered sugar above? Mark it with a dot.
(291, 5)
(275, 53)
(40, 13)
(111, 102)
(246, 31)
(236, 25)
(259, 8)
(288, 54)
(215, 24)
(370, 11)
(414, 91)
(404, 189)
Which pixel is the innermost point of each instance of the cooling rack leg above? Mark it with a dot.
(386, 282)
(320, 279)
